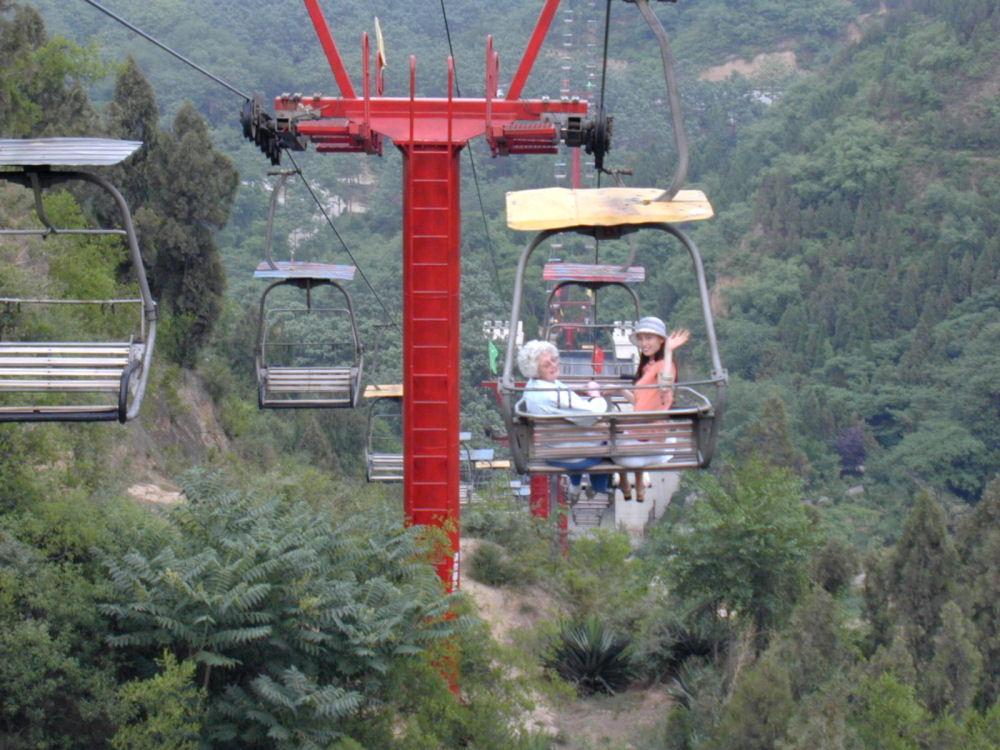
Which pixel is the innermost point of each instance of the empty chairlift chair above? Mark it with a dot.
(384, 444)
(592, 345)
(308, 354)
(100, 373)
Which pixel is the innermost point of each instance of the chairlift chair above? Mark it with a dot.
(73, 380)
(384, 443)
(296, 366)
(296, 372)
(592, 345)
(682, 437)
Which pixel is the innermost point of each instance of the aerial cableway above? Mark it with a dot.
(430, 134)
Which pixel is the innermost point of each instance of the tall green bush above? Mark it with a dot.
(296, 623)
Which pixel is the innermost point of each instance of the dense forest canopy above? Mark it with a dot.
(850, 151)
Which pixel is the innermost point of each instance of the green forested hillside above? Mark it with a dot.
(854, 264)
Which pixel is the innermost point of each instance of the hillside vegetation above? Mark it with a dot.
(831, 583)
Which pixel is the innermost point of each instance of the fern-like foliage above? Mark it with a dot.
(294, 620)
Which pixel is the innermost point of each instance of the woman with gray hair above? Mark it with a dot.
(544, 393)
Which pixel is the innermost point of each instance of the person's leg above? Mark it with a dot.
(624, 485)
(600, 482)
(640, 488)
(574, 467)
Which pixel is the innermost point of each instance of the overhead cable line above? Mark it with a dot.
(165, 48)
(329, 222)
(235, 90)
(475, 176)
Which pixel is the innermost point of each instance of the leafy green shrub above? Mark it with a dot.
(668, 636)
(296, 624)
(161, 713)
(490, 564)
(591, 656)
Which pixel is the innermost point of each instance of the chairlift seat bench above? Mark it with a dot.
(307, 386)
(675, 435)
(385, 467)
(76, 368)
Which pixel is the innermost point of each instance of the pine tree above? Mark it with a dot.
(922, 572)
(757, 715)
(42, 81)
(769, 437)
(133, 115)
(979, 541)
(191, 191)
(952, 677)
(811, 647)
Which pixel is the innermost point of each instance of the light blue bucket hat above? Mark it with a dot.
(650, 324)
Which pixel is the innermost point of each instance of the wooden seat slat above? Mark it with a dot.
(299, 378)
(43, 386)
(280, 385)
(618, 434)
(345, 371)
(307, 385)
(55, 374)
(305, 402)
(63, 362)
(60, 409)
(31, 347)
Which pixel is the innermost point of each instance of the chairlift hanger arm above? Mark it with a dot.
(599, 147)
(283, 175)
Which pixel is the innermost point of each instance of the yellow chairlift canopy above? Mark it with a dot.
(384, 391)
(561, 208)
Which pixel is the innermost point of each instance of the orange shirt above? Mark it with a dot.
(651, 399)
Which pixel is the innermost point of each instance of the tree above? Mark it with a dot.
(769, 438)
(952, 676)
(979, 542)
(922, 570)
(132, 114)
(811, 647)
(191, 191)
(820, 721)
(757, 715)
(889, 716)
(744, 549)
(42, 80)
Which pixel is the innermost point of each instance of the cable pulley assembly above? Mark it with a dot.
(261, 128)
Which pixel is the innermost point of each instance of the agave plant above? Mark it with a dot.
(592, 656)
